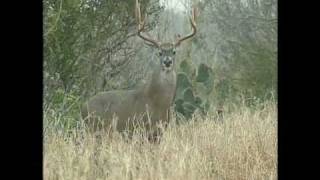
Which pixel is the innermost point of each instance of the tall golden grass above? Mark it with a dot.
(243, 145)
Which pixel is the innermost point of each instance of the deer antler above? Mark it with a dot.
(141, 24)
(194, 29)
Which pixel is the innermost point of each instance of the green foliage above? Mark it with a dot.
(193, 92)
(82, 39)
(240, 39)
(86, 45)
(63, 113)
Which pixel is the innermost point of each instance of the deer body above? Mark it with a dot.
(150, 102)
(153, 97)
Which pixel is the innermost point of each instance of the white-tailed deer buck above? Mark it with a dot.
(149, 102)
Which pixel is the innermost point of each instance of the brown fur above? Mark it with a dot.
(127, 106)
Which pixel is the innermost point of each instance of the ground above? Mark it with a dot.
(243, 145)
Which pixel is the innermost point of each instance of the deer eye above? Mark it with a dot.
(174, 52)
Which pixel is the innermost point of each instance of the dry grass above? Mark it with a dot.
(243, 146)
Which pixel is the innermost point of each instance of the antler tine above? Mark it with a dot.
(138, 14)
(141, 24)
(194, 29)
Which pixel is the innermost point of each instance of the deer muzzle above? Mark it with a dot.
(167, 62)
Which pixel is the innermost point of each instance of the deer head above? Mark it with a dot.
(167, 51)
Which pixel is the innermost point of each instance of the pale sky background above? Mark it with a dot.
(178, 5)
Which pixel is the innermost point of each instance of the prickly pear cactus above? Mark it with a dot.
(185, 67)
(193, 91)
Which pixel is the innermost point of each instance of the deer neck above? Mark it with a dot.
(162, 87)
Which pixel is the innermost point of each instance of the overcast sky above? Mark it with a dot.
(177, 5)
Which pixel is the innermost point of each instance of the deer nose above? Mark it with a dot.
(167, 62)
